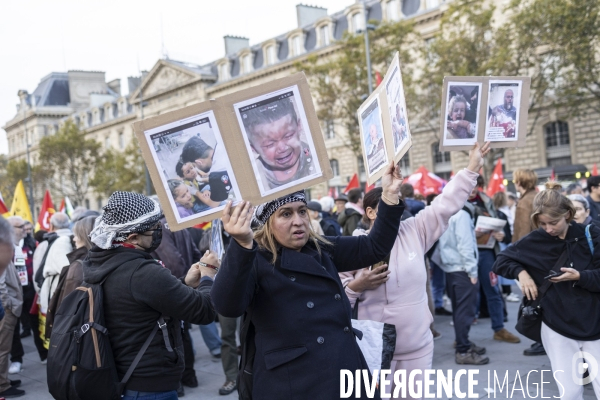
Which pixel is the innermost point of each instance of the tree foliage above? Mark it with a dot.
(69, 158)
(341, 80)
(11, 172)
(120, 171)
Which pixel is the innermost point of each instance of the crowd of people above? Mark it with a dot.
(292, 270)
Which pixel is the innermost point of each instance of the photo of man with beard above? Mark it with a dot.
(502, 118)
(280, 154)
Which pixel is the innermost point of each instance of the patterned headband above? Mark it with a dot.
(264, 211)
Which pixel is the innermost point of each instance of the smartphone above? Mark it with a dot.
(553, 274)
(379, 264)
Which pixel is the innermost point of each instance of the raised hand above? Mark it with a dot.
(237, 223)
(477, 155)
(390, 183)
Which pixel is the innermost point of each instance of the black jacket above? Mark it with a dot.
(349, 220)
(594, 209)
(569, 308)
(137, 291)
(301, 314)
(177, 250)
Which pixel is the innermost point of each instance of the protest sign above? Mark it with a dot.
(484, 230)
(256, 144)
(383, 122)
(482, 109)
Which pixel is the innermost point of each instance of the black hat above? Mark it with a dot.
(314, 206)
(341, 197)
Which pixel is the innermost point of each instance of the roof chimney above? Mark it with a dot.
(233, 44)
(309, 14)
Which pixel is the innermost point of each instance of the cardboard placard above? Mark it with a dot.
(481, 109)
(384, 129)
(256, 144)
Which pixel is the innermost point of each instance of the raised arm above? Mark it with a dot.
(432, 222)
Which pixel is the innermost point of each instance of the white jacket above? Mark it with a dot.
(56, 260)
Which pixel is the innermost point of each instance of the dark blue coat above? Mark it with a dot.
(301, 314)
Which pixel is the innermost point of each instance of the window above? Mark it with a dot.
(558, 148)
(441, 162)
(270, 55)
(324, 37)
(224, 71)
(121, 140)
(329, 131)
(410, 7)
(393, 10)
(247, 63)
(405, 165)
(107, 142)
(335, 167)
(431, 3)
(87, 203)
(99, 203)
(358, 22)
(297, 45)
(362, 173)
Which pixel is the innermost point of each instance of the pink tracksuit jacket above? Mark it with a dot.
(402, 300)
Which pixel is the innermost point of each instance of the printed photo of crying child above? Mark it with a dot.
(278, 140)
(194, 166)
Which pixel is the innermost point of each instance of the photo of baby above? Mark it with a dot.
(372, 137)
(278, 140)
(194, 166)
(462, 105)
(504, 101)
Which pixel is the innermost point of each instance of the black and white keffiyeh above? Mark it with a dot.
(265, 210)
(124, 214)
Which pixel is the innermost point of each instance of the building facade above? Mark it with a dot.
(104, 114)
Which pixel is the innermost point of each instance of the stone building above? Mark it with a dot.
(568, 145)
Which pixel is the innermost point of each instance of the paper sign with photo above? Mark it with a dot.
(372, 138)
(396, 104)
(194, 166)
(461, 113)
(504, 100)
(484, 109)
(278, 140)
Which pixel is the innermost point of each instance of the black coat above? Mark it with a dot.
(301, 314)
(569, 308)
(137, 291)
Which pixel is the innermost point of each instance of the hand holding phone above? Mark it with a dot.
(553, 274)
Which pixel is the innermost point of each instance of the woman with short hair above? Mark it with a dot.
(571, 305)
(582, 209)
(286, 278)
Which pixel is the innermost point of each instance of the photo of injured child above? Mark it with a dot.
(462, 105)
(278, 140)
(397, 109)
(194, 166)
(504, 101)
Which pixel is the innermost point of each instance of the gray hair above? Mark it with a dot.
(60, 220)
(16, 219)
(581, 199)
(327, 203)
(6, 232)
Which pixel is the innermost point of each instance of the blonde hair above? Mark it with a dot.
(459, 98)
(266, 239)
(552, 203)
(500, 200)
(526, 178)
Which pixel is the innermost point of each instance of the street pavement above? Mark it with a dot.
(504, 358)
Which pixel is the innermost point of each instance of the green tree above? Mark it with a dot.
(11, 172)
(120, 171)
(341, 79)
(69, 158)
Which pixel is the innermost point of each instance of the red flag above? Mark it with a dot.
(62, 206)
(369, 188)
(595, 170)
(425, 182)
(43, 220)
(353, 183)
(3, 209)
(552, 176)
(496, 183)
(378, 79)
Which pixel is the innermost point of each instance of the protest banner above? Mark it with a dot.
(256, 144)
(482, 109)
(383, 122)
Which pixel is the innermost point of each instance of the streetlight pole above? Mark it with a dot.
(28, 158)
(146, 173)
(368, 27)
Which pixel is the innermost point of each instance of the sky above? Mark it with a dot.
(122, 38)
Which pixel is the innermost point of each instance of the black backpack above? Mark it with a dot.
(80, 359)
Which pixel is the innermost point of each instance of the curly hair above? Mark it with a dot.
(459, 98)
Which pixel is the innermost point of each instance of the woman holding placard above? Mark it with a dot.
(396, 293)
(285, 278)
